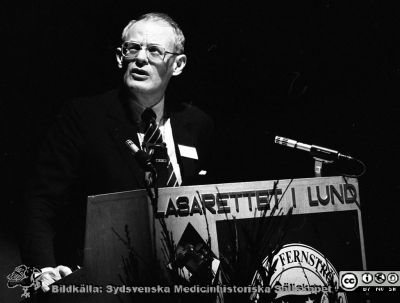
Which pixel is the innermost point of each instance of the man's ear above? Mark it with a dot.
(179, 64)
(118, 56)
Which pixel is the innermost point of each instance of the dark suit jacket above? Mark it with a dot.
(84, 154)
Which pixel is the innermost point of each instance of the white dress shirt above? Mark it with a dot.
(165, 129)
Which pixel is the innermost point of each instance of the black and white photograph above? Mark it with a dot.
(207, 151)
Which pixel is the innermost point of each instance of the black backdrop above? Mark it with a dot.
(323, 72)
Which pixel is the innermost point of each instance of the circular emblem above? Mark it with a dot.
(349, 281)
(380, 277)
(298, 272)
(393, 278)
(367, 278)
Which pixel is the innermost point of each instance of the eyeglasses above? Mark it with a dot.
(155, 53)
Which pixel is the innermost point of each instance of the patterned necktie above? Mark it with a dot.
(154, 144)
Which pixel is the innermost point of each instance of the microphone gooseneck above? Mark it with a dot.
(142, 158)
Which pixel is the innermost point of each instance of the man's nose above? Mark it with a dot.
(142, 56)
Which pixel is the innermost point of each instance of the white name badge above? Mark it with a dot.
(188, 151)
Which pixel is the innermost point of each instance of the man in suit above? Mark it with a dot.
(85, 152)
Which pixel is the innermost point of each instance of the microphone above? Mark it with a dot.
(141, 157)
(315, 150)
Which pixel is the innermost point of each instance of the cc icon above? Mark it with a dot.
(349, 281)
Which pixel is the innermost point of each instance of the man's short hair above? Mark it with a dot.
(179, 37)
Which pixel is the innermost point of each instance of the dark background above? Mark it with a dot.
(322, 72)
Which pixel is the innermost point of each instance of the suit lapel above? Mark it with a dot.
(122, 129)
(182, 134)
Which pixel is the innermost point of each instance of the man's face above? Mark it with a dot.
(142, 76)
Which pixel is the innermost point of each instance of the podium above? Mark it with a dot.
(300, 231)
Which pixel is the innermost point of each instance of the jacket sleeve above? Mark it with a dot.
(54, 172)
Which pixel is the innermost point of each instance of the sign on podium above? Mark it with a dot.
(264, 240)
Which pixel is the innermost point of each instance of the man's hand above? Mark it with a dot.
(50, 275)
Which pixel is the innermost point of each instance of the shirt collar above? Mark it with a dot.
(138, 109)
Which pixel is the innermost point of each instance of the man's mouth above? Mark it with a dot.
(139, 74)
